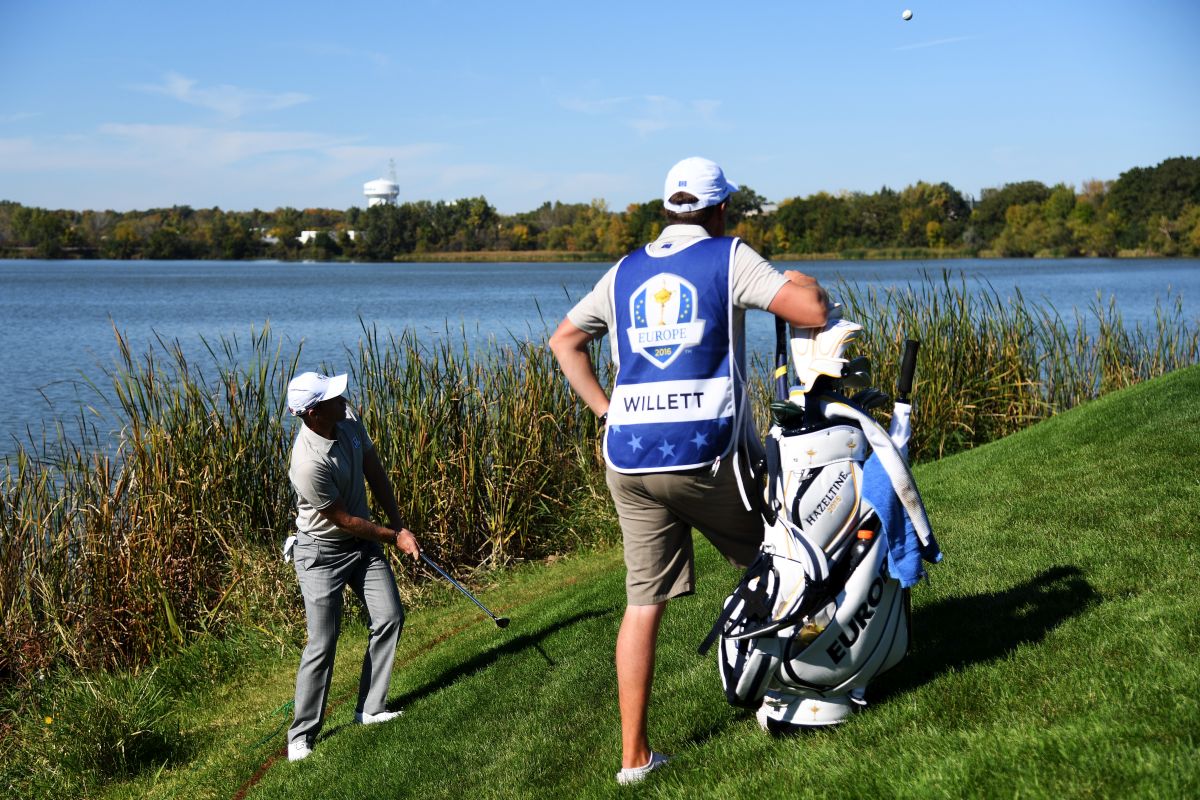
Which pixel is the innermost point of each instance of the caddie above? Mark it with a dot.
(677, 422)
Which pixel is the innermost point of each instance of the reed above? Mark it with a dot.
(111, 554)
(990, 366)
(116, 549)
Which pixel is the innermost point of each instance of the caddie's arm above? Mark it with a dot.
(570, 346)
(801, 301)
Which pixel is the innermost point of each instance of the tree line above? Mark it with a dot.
(1147, 210)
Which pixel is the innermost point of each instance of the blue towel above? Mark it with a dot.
(905, 550)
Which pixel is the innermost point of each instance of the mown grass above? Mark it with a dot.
(1055, 655)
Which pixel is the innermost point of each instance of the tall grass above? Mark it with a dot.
(110, 555)
(115, 550)
(989, 366)
(488, 448)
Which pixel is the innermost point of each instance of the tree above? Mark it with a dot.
(40, 229)
(1150, 193)
(924, 203)
(386, 232)
(1056, 212)
(1025, 231)
(818, 224)
(875, 218)
(745, 202)
(643, 222)
(988, 216)
(123, 243)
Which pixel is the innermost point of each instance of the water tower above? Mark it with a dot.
(381, 191)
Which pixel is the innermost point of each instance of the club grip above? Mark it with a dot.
(908, 367)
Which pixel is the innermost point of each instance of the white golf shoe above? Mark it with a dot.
(298, 751)
(371, 719)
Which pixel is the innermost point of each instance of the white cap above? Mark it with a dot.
(699, 177)
(309, 388)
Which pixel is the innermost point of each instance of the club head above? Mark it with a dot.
(871, 398)
(856, 374)
(501, 622)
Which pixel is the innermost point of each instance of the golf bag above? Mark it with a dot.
(820, 612)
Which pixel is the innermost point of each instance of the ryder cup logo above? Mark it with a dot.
(663, 310)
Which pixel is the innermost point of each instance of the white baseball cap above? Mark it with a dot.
(699, 177)
(309, 388)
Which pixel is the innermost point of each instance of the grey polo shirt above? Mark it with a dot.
(324, 470)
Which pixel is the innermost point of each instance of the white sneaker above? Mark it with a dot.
(371, 719)
(298, 751)
(630, 775)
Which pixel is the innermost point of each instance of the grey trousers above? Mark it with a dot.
(324, 570)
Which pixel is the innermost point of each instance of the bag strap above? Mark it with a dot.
(749, 603)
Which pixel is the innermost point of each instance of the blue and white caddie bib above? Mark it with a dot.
(673, 405)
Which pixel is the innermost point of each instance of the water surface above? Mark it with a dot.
(58, 316)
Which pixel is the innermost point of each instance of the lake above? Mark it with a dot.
(58, 316)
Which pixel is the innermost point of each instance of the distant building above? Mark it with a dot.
(767, 208)
(306, 236)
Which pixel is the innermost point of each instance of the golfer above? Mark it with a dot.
(337, 545)
(678, 424)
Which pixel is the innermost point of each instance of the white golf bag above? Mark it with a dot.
(818, 614)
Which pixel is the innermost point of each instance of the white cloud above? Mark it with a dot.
(660, 113)
(934, 43)
(230, 102)
(595, 106)
(214, 147)
(648, 114)
(18, 116)
(142, 166)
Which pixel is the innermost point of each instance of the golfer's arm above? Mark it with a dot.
(801, 301)
(398, 534)
(381, 487)
(357, 526)
(570, 346)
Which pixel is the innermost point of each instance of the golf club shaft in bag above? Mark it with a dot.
(781, 359)
(501, 622)
(908, 367)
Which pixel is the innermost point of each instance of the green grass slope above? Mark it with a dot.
(1055, 655)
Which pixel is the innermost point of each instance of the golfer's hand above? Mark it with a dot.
(407, 543)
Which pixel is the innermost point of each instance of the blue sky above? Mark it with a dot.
(247, 104)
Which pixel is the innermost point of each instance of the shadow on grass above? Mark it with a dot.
(483, 661)
(964, 631)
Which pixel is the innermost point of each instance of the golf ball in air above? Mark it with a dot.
(907, 15)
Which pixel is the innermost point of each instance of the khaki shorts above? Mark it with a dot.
(658, 511)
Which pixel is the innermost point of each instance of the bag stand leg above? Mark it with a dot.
(785, 713)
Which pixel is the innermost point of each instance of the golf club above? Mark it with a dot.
(501, 622)
(908, 366)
